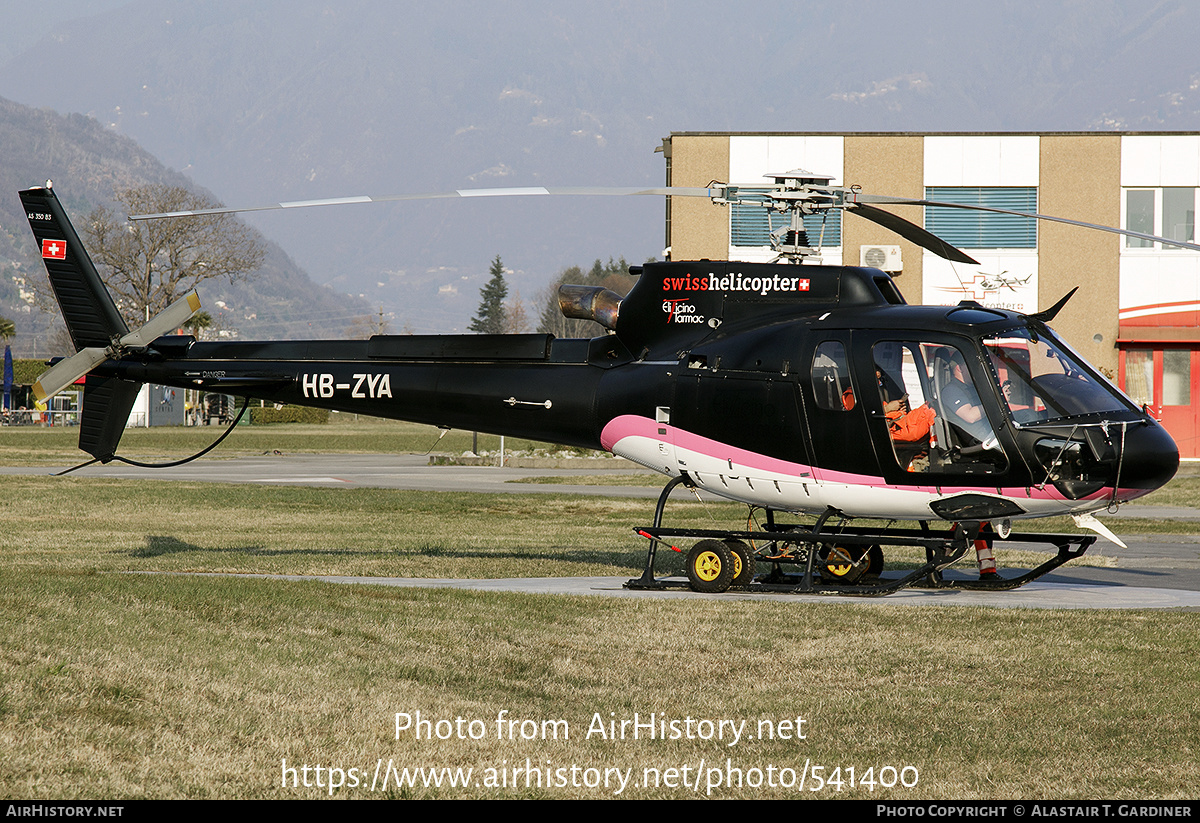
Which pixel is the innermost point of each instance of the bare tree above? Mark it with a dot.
(151, 263)
(516, 319)
(368, 325)
(613, 276)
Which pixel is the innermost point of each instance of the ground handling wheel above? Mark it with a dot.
(846, 565)
(743, 564)
(875, 561)
(710, 567)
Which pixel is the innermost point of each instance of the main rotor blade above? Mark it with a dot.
(911, 231)
(527, 191)
(67, 371)
(902, 201)
(167, 320)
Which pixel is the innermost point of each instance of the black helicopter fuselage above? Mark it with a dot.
(792, 387)
(789, 387)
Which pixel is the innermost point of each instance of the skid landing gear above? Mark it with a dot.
(829, 557)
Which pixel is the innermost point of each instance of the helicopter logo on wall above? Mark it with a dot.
(1006, 290)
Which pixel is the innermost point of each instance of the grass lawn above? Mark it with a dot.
(135, 686)
(119, 685)
(34, 445)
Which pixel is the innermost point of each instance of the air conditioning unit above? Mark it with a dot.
(886, 258)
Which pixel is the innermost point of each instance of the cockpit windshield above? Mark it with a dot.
(1040, 379)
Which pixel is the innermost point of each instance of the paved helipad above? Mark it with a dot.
(1037, 595)
(1155, 571)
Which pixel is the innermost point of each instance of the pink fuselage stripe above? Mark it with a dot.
(630, 425)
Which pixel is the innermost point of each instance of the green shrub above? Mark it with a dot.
(26, 370)
(261, 415)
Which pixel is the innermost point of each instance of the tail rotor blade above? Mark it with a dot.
(166, 321)
(67, 371)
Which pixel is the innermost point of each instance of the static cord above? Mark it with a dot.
(73, 468)
(173, 463)
(444, 431)
(1113, 505)
(201, 453)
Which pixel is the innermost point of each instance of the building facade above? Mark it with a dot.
(1137, 312)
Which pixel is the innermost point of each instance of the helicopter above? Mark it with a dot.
(800, 390)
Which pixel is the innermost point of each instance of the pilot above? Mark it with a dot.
(960, 401)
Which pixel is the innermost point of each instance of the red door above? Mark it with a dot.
(1164, 379)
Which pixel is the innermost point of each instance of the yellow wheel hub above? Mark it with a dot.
(708, 566)
(839, 562)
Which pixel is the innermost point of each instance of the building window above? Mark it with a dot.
(1167, 212)
(751, 225)
(969, 229)
(1179, 213)
(1139, 217)
(1177, 376)
(1139, 376)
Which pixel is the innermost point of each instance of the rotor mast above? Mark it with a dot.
(797, 193)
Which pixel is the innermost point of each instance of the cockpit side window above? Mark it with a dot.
(831, 377)
(958, 399)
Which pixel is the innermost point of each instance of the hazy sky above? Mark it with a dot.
(275, 100)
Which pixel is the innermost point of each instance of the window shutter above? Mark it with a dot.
(980, 229)
(751, 225)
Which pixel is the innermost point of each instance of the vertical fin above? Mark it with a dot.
(106, 407)
(90, 314)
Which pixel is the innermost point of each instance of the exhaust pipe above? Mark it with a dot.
(590, 303)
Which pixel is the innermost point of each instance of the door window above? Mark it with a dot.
(831, 377)
(1177, 377)
(1163, 381)
(936, 419)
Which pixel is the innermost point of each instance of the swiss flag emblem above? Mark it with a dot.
(54, 249)
(802, 285)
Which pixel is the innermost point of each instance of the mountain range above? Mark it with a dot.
(272, 100)
(279, 300)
